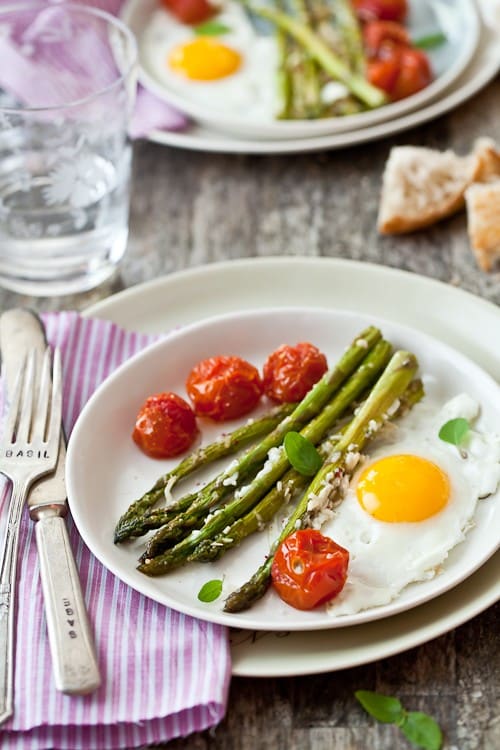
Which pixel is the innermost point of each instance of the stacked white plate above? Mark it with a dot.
(463, 64)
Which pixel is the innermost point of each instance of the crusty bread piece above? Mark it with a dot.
(421, 186)
(483, 222)
(488, 155)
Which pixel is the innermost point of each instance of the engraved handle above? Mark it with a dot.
(70, 637)
(7, 599)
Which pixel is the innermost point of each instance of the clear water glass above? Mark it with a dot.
(67, 87)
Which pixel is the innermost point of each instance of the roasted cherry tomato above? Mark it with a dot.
(165, 426)
(376, 33)
(190, 11)
(309, 569)
(414, 75)
(383, 73)
(382, 10)
(400, 71)
(224, 387)
(291, 371)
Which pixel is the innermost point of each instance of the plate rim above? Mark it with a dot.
(314, 129)
(106, 305)
(182, 337)
(250, 660)
(195, 140)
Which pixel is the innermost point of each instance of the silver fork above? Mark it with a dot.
(28, 450)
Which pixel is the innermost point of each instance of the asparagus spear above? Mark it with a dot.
(324, 56)
(306, 89)
(310, 405)
(284, 80)
(390, 387)
(266, 509)
(340, 25)
(129, 525)
(371, 366)
(212, 549)
(246, 499)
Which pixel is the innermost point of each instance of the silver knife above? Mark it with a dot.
(71, 641)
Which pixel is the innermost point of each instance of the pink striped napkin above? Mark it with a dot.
(165, 675)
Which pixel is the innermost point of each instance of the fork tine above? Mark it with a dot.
(54, 427)
(40, 421)
(26, 406)
(13, 410)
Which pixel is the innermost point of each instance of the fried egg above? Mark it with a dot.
(410, 502)
(230, 73)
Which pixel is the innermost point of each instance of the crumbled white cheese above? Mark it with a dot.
(362, 343)
(168, 490)
(273, 457)
(333, 92)
(351, 460)
(325, 514)
(393, 407)
(231, 480)
(212, 515)
(242, 491)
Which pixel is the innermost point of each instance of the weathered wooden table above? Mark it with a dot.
(194, 208)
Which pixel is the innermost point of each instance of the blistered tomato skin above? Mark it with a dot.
(309, 569)
(382, 10)
(190, 11)
(165, 426)
(415, 73)
(400, 71)
(377, 33)
(291, 371)
(224, 387)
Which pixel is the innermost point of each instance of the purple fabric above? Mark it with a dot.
(165, 674)
(20, 77)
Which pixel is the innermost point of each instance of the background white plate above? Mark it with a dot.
(479, 73)
(106, 471)
(458, 19)
(468, 323)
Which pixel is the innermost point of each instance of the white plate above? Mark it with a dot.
(467, 322)
(480, 72)
(102, 482)
(458, 19)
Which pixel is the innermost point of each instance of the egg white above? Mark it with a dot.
(251, 90)
(387, 557)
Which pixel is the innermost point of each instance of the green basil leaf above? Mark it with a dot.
(384, 708)
(422, 730)
(210, 590)
(430, 41)
(211, 28)
(302, 454)
(455, 431)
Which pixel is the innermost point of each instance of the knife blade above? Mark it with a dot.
(71, 641)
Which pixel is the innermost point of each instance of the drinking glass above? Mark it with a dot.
(67, 83)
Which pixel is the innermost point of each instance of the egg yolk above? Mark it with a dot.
(403, 488)
(204, 59)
